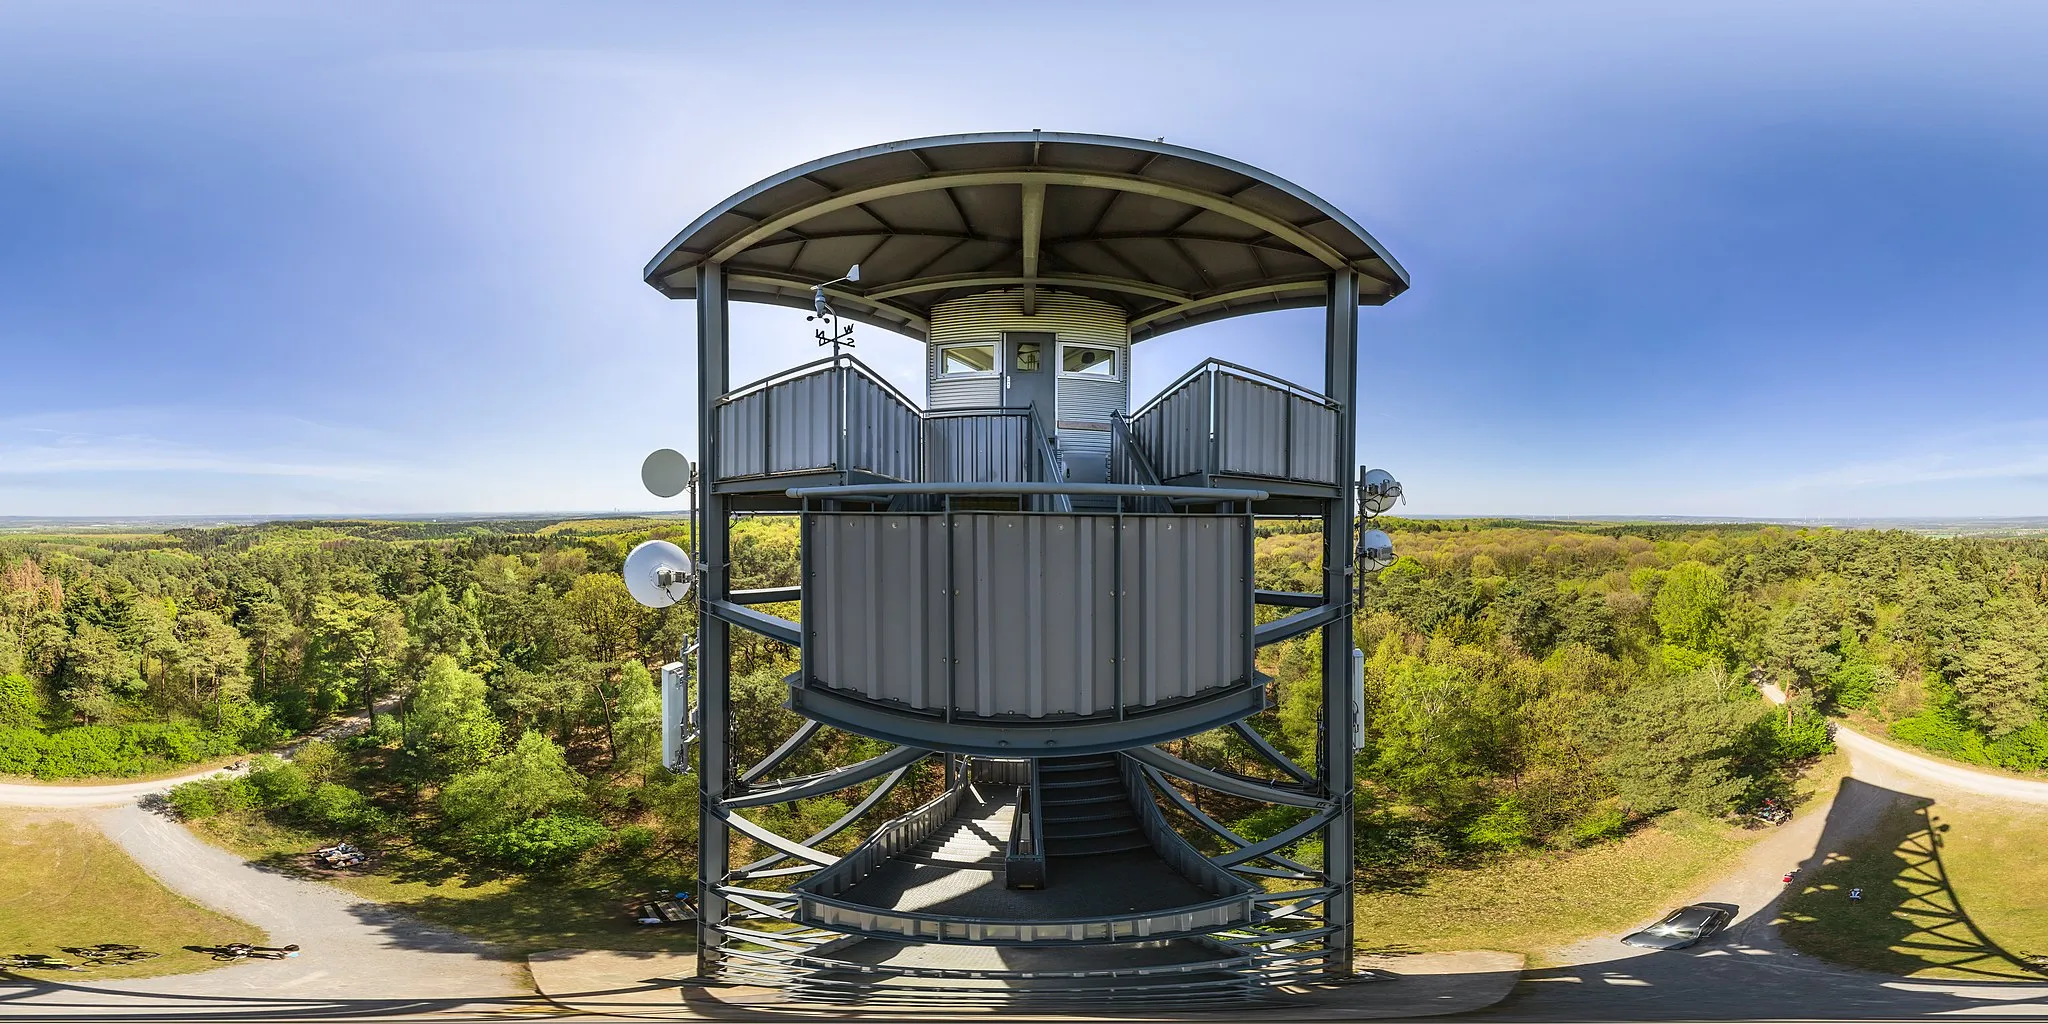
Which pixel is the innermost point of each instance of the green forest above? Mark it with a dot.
(1531, 686)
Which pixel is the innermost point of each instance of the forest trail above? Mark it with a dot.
(115, 794)
(1865, 749)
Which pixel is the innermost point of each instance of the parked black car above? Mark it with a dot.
(1683, 927)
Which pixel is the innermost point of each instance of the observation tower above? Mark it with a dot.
(1024, 583)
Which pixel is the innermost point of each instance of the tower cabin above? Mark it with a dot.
(1027, 574)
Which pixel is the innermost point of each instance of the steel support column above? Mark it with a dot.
(714, 642)
(1334, 765)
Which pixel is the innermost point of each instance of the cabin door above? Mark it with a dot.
(1027, 374)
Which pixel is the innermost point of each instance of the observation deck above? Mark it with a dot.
(1025, 575)
(962, 592)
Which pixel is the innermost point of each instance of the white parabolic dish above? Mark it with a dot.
(657, 573)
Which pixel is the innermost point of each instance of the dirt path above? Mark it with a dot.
(358, 956)
(114, 794)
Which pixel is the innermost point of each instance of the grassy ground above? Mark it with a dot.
(62, 883)
(1535, 903)
(1951, 889)
(579, 909)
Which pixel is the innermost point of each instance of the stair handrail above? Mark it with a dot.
(1050, 463)
(1128, 459)
(1172, 846)
(887, 840)
(1024, 860)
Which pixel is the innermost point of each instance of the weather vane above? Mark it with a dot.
(832, 333)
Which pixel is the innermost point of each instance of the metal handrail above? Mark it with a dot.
(1024, 859)
(1172, 847)
(970, 488)
(1050, 464)
(1256, 376)
(888, 839)
(805, 369)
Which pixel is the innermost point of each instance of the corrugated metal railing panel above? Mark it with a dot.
(883, 434)
(1255, 428)
(989, 447)
(743, 436)
(1038, 606)
(1312, 453)
(817, 420)
(1033, 625)
(1186, 618)
(1175, 429)
(873, 610)
(801, 422)
(1251, 427)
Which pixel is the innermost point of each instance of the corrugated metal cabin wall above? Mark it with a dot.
(984, 316)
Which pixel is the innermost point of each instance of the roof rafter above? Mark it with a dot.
(1274, 226)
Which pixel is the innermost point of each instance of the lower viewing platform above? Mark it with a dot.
(1071, 857)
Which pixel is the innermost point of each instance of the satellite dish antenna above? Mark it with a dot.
(1378, 491)
(657, 573)
(666, 473)
(1375, 550)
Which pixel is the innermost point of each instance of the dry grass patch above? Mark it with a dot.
(1951, 889)
(578, 908)
(62, 883)
(1539, 902)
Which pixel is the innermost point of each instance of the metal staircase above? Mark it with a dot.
(1087, 808)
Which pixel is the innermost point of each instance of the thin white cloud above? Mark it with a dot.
(184, 441)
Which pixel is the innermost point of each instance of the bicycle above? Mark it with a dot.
(35, 962)
(111, 954)
(243, 951)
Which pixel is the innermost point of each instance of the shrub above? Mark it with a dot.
(278, 782)
(1805, 736)
(21, 707)
(1942, 734)
(336, 806)
(1504, 826)
(88, 751)
(634, 840)
(528, 781)
(21, 750)
(548, 841)
(193, 800)
(320, 761)
(1599, 825)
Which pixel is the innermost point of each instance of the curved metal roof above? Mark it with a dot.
(1174, 236)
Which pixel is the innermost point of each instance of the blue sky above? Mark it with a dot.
(1744, 259)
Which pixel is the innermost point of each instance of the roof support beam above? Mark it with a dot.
(908, 318)
(1107, 284)
(1291, 288)
(1274, 226)
(1034, 223)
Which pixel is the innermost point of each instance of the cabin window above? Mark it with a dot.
(1093, 360)
(1027, 357)
(955, 360)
